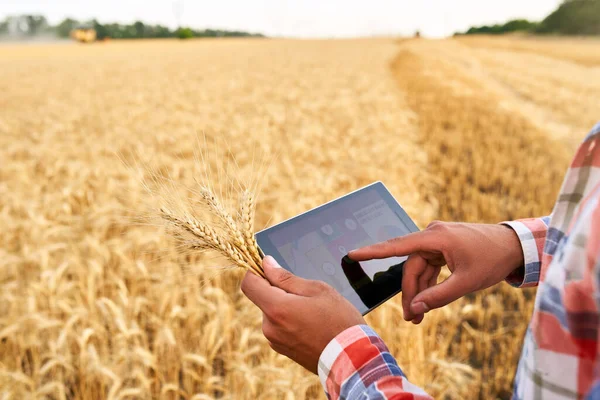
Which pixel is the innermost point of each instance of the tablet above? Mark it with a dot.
(315, 244)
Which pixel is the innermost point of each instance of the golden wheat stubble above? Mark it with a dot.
(462, 128)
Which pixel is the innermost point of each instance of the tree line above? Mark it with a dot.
(572, 17)
(34, 25)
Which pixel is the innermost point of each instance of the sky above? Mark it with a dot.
(299, 18)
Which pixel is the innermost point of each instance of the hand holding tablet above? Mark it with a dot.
(300, 316)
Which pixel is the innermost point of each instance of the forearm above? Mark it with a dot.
(357, 365)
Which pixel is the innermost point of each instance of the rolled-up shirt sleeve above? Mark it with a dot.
(357, 364)
(532, 235)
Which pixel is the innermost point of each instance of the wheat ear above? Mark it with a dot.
(209, 238)
(234, 231)
(247, 210)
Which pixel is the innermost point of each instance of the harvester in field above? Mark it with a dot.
(84, 34)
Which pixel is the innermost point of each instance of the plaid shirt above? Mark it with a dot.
(559, 358)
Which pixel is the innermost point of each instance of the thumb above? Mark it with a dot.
(284, 279)
(439, 295)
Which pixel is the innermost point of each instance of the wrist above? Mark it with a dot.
(514, 251)
(527, 272)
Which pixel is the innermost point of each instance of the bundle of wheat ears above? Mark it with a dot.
(231, 236)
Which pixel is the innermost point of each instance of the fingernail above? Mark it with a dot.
(270, 261)
(348, 260)
(419, 308)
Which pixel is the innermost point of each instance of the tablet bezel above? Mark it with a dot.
(266, 246)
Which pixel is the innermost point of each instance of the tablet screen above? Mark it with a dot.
(313, 245)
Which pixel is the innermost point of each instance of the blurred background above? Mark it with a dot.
(466, 110)
(309, 19)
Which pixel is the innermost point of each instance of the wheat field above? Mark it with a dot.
(94, 305)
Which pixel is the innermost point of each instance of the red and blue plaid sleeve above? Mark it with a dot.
(532, 235)
(592, 256)
(356, 364)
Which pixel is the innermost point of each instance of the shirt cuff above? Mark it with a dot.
(357, 354)
(532, 235)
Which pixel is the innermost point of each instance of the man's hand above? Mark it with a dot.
(300, 317)
(478, 255)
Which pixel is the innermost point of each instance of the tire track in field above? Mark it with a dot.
(490, 163)
(559, 96)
